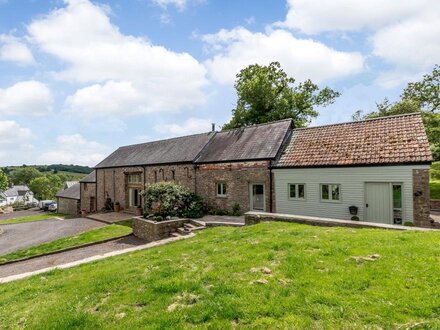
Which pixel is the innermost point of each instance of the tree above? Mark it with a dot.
(3, 181)
(24, 175)
(46, 187)
(423, 97)
(266, 93)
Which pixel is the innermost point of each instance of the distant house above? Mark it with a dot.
(69, 184)
(19, 193)
(68, 200)
(378, 166)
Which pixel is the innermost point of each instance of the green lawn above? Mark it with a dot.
(112, 231)
(37, 217)
(434, 186)
(316, 278)
(75, 176)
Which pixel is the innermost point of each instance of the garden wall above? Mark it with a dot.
(154, 231)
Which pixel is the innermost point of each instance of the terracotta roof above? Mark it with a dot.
(177, 150)
(72, 192)
(89, 178)
(386, 140)
(253, 142)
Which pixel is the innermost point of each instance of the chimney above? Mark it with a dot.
(213, 127)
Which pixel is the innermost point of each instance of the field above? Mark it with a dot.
(271, 275)
(434, 183)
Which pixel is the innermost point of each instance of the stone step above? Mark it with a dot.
(189, 226)
(175, 234)
(183, 231)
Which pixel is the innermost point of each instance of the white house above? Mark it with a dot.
(14, 194)
(378, 167)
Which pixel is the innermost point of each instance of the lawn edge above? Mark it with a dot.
(64, 250)
(16, 223)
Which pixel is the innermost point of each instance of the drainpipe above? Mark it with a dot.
(270, 187)
(195, 178)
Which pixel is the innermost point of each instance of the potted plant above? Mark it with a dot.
(83, 213)
(139, 211)
(117, 207)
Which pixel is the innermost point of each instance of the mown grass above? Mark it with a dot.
(217, 280)
(434, 186)
(37, 217)
(100, 234)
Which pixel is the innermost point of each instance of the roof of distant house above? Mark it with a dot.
(89, 178)
(69, 184)
(261, 141)
(177, 150)
(19, 190)
(381, 141)
(71, 192)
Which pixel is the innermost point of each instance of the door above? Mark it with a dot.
(257, 197)
(134, 197)
(92, 204)
(378, 206)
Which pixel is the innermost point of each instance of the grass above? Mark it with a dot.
(112, 231)
(434, 186)
(74, 175)
(217, 280)
(37, 217)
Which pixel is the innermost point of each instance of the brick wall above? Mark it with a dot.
(88, 191)
(238, 177)
(421, 203)
(68, 206)
(113, 182)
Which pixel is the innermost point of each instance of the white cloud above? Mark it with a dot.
(301, 58)
(11, 133)
(190, 126)
(74, 149)
(95, 51)
(14, 50)
(26, 98)
(406, 34)
(179, 4)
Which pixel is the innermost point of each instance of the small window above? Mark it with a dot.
(173, 174)
(135, 178)
(331, 192)
(397, 203)
(155, 176)
(221, 189)
(296, 191)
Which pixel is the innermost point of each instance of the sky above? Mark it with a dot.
(80, 78)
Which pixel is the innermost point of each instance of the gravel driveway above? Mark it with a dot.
(23, 235)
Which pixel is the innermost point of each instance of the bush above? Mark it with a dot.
(169, 199)
(355, 218)
(236, 210)
(409, 224)
(435, 174)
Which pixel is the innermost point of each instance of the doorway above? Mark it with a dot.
(378, 202)
(134, 197)
(257, 194)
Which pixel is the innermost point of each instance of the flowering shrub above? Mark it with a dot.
(169, 199)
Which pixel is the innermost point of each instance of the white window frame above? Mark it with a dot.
(330, 196)
(134, 175)
(296, 191)
(223, 190)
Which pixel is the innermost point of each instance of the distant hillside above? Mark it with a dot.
(55, 168)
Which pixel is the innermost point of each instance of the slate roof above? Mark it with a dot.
(177, 150)
(72, 192)
(19, 190)
(248, 143)
(89, 178)
(69, 184)
(381, 141)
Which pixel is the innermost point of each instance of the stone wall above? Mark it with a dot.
(113, 182)
(421, 198)
(435, 204)
(68, 206)
(154, 231)
(88, 192)
(237, 176)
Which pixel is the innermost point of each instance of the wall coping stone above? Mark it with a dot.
(256, 217)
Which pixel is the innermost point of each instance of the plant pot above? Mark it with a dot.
(83, 213)
(139, 211)
(117, 208)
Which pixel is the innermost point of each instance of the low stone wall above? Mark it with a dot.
(252, 218)
(435, 204)
(154, 231)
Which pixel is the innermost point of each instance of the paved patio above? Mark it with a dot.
(110, 217)
(222, 220)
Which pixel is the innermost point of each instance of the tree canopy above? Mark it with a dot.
(24, 175)
(46, 187)
(267, 93)
(422, 96)
(3, 181)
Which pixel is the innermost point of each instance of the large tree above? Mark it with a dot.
(267, 93)
(3, 181)
(45, 187)
(422, 96)
(24, 175)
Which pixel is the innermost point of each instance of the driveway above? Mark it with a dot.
(19, 214)
(23, 235)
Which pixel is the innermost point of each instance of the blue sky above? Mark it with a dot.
(80, 78)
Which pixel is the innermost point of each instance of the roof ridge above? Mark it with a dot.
(359, 121)
(256, 125)
(168, 139)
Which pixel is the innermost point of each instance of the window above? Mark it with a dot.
(330, 192)
(221, 189)
(296, 191)
(135, 178)
(173, 174)
(155, 176)
(397, 203)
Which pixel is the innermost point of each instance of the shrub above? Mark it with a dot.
(409, 224)
(435, 174)
(170, 199)
(236, 210)
(355, 218)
